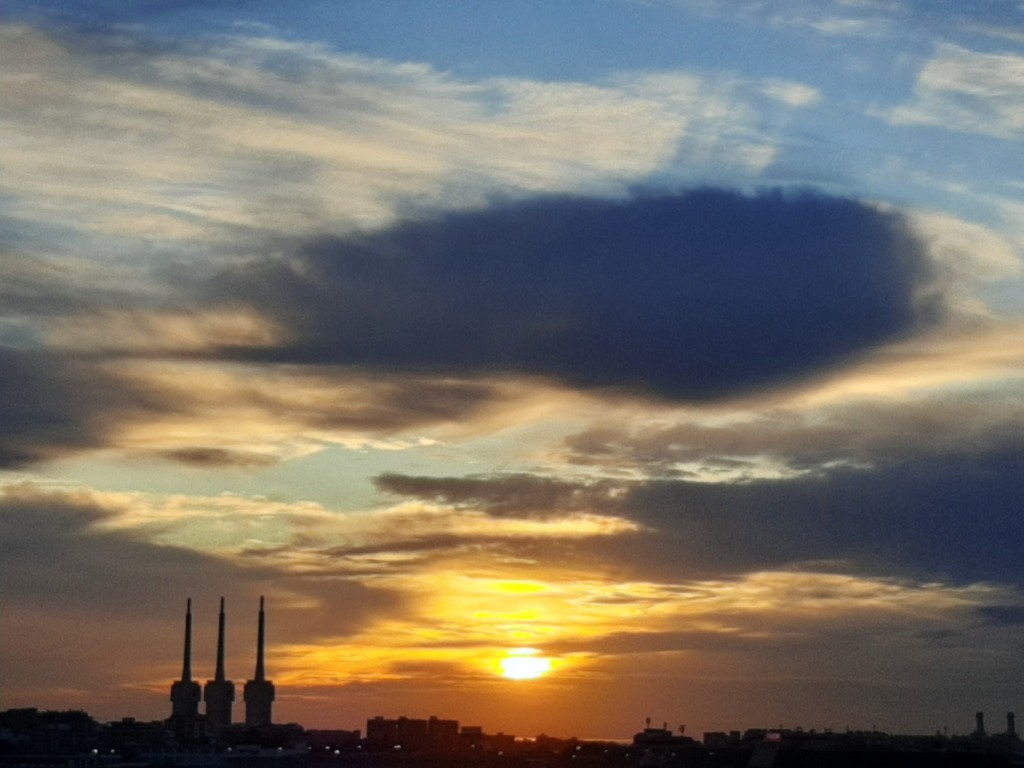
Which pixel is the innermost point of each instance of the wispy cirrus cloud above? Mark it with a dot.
(189, 136)
(304, 537)
(835, 18)
(968, 91)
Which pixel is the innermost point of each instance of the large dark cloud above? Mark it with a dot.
(51, 404)
(954, 516)
(697, 295)
(951, 516)
(55, 557)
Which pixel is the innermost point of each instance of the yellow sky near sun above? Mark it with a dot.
(458, 616)
(465, 626)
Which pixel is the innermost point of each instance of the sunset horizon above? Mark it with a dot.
(545, 365)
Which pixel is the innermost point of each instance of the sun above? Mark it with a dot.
(524, 664)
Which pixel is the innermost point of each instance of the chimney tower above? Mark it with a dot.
(185, 693)
(259, 692)
(219, 692)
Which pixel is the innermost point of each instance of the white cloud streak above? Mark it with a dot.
(269, 136)
(967, 91)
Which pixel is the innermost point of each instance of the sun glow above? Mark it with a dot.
(524, 664)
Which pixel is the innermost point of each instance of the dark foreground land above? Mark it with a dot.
(33, 739)
(697, 758)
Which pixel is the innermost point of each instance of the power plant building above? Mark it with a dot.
(186, 693)
(259, 692)
(219, 693)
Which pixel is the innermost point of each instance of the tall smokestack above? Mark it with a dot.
(185, 693)
(219, 674)
(219, 692)
(259, 692)
(261, 673)
(186, 666)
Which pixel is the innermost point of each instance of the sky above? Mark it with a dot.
(675, 346)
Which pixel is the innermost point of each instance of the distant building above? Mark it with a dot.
(472, 736)
(333, 740)
(132, 736)
(26, 730)
(403, 733)
(443, 735)
(415, 735)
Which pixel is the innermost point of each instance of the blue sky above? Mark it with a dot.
(678, 341)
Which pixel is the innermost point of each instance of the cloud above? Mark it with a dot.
(63, 578)
(307, 540)
(59, 402)
(165, 174)
(50, 535)
(99, 537)
(861, 578)
(148, 332)
(967, 91)
(223, 142)
(966, 255)
(51, 405)
(216, 414)
(947, 514)
(950, 516)
(571, 614)
(216, 457)
(519, 495)
(796, 437)
(817, 628)
(391, 545)
(699, 295)
(1003, 615)
(453, 614)
(879, 19)
(791, 93)
(276, 412)
(839, 18)
(73, 568)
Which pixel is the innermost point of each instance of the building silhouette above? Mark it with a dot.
(185, 693)
(413, 734)
(259, 692)
(219, 693)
